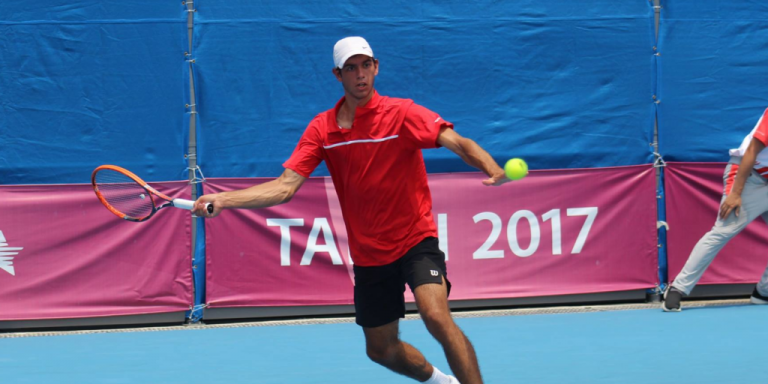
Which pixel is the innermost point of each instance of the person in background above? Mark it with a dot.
(745, 197)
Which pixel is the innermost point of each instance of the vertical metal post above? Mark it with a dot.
(661, 225)
(192, 162)
(192, 145)
(656, 16)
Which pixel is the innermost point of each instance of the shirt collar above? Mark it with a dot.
(371, 104)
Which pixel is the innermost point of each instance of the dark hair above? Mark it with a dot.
(338, 70)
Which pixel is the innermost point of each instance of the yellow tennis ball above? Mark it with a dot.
(516, 169)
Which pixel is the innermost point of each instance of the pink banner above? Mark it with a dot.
(693, 199)
(291, 254)
(552, 233)
(64, 255)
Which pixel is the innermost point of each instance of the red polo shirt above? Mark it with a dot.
(378, 172)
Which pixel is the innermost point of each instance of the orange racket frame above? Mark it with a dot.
(151, 192)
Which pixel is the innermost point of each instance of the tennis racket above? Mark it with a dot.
(131, 198)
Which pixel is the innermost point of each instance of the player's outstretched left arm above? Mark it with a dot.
(473, 154)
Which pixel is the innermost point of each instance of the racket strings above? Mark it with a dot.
(123, 193)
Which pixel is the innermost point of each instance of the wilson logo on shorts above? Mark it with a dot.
(6, 261)
(434, 273)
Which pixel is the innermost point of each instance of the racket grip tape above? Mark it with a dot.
(189, 204)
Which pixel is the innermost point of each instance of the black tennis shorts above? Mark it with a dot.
(379, 291)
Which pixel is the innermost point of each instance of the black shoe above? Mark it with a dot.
(672, 299)
(757, 298)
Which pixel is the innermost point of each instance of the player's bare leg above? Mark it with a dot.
(384, 346)
(432, 301)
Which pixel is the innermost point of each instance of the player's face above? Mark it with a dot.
(358, 75)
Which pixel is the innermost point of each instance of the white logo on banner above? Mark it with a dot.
(6, 253)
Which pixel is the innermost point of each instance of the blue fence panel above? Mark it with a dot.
(89, 83)
(562, 84)
(712, 71)
(89, 11)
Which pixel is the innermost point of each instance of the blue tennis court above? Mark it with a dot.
(721, 343)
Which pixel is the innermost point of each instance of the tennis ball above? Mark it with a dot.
(516, 169)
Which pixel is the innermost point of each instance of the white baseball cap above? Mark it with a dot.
(348, 47)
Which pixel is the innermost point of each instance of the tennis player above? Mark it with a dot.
(372, 147)
(745, 197)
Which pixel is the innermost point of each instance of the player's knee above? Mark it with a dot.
(439, 324)
(379, 353)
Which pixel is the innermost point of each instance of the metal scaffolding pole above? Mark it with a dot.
(193, 169)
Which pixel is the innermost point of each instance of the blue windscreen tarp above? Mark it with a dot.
(712, 73)
(91, 82)
(563, 84)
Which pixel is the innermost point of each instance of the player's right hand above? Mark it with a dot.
(200, 209)
(497, 179)
(732, 203)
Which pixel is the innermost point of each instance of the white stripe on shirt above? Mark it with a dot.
(360, 141)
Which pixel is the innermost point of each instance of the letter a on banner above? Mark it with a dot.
(321, 224)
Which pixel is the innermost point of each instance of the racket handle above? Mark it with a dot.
(189, 204)
(183, 204)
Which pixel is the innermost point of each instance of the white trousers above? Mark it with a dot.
(754, 203)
